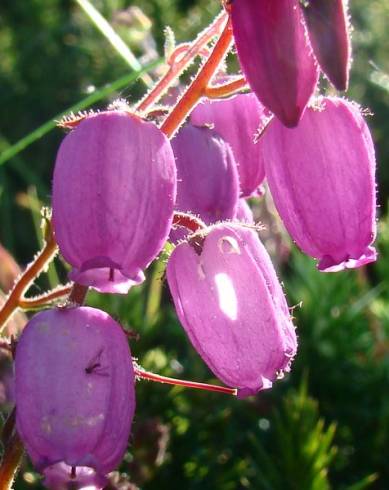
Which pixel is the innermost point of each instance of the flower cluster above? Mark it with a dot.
(280, 53)
(121, 189)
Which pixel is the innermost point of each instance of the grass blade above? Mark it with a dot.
(91, 99)
(115, 40)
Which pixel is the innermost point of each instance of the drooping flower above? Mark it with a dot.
(322, 178)
(244, 212)
(329, 35)
(275, 55)
(74, 391)
(113, 197)
(238, 120)
(232, 307)
(207, 177)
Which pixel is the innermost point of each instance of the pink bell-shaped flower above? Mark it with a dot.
(322, 178)
(74, 393)
(232, 307)
(275, 55)
(113, 198)
(329, 35)
(238, 120)
(207, 177)
(244, 213)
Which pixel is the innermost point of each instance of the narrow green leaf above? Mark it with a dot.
(114, 39)
(79, 106)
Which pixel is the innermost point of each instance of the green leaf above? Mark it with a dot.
(91, 99)
(113, 37)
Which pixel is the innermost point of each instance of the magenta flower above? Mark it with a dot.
(238, 120)
(232, 307)
(113, 197)
(207, 177)
(329, 34)
(321, 176)
(244, 213)
(74, 390)
(275, 55)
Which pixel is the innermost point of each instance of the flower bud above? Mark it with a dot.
(74, 390)
(207, 177)
(275, 55)
(232, 307)
(321, 176)
(329, 35)
(238, 120)
(113, 198)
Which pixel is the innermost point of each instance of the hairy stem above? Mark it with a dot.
(225, 90)
(44, 299)
(11, 460)
(32, 271)
(178, 66)
(140, 373)
(199, 85)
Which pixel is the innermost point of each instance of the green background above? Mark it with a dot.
(327, 424)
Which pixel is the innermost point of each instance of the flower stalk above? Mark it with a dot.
(45, 299)
(198, 87)
(11, 461)
(178, 64)
(142, 374)
(34, 269)
(227, 89)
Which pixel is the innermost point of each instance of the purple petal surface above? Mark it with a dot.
(238, 120)
(229, 301)
(330, 38)
(207, 177)
(275, 55)
(74, 390)
(113, 197)
(322, 178)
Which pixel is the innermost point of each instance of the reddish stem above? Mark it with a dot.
(180, 382)
(77, 294)
(29, 275)
(181, 50)
(225, 90)
(44, 299)
(189, 221)
(198, 87)
(177, 68)
(11, 460)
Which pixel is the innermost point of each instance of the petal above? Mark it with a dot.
(321, 176)
(74, 389)
(328, 28)
(275, 55)
(234, 317)
(113, 192)
(238, 120)
(208, 182)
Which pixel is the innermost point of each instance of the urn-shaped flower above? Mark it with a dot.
(328, 29)
(207, 177)
(322, 178)
(275, 55)
(232, 307)
(74, 391)
(238, 120)
(113, 197)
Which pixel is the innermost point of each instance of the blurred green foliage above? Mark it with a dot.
(327, 424)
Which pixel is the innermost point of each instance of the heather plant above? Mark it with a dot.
(117, 218)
